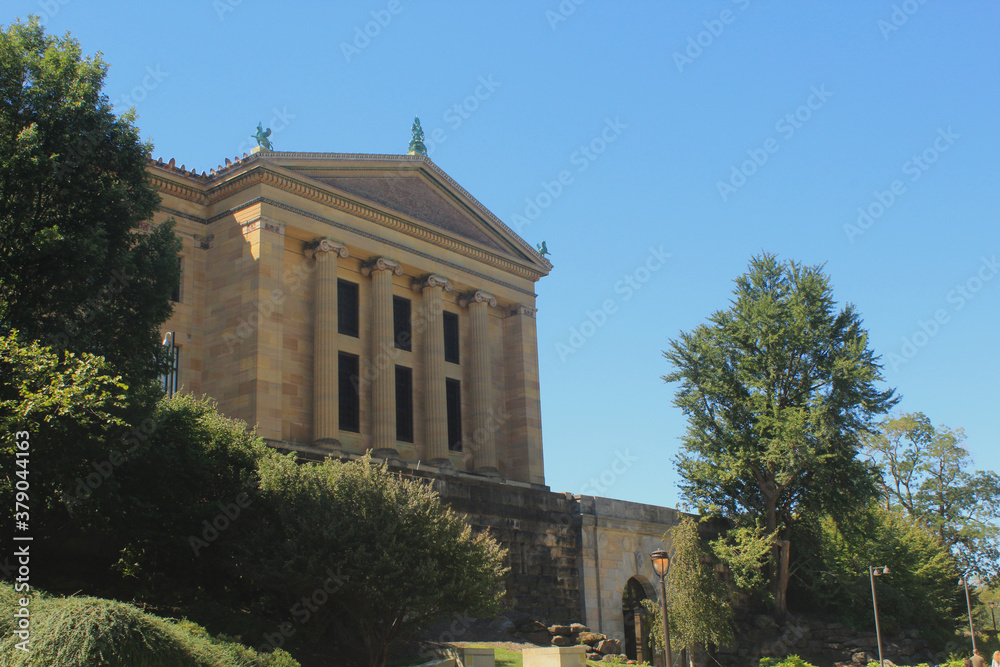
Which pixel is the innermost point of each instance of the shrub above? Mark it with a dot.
(84, 631)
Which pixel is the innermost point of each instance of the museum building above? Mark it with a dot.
(353, 303)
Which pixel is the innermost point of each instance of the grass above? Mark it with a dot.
(83, 631)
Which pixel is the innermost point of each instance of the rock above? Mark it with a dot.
(560, 630)
(862, 658)
(765, 622)
(542, 638)
(609, 647)
(562, 640)
(532, 626)
(590, 638)
(517, 617)
(595, 657)
(502, 624)
(577, 628)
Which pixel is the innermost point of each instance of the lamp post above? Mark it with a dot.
(993, 605)
(968, 601)
(877, 571)
(661, 563)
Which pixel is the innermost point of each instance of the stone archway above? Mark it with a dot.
(637, 639)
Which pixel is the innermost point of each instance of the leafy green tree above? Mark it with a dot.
(920, 591)
(777, 389)
(926, 472)
(66, 408)
(698, 603)
(75, 273)
(367, 555)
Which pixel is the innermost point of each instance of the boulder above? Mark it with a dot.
(595, 657)
(609, 647)
(562, 640)
(560, 630)
(765, 622)
(532, 626)
(577, 628)
(502, 624)
(590, 638)
(542, 638)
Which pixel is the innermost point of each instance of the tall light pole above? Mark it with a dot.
(661, 563)
(993, 605)
(877, 571)
(968, 601)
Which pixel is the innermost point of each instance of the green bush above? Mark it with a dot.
(790, 661)
(84, 631)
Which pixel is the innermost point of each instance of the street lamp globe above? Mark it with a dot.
(661, 562)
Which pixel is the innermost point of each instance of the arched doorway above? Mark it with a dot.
(637, 620)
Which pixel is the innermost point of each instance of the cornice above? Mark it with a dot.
(255, 171)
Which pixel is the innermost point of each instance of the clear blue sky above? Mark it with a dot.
(836, 106)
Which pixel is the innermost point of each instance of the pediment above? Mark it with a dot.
(418, 190)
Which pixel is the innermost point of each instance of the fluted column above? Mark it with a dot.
(325, 378)
(435, 404)
(384, 380)
(482, 442)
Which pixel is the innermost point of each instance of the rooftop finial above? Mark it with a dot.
(417, 142)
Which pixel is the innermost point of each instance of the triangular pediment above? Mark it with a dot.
(416, 189)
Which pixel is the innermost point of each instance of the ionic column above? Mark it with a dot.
(482, 443)
(384, 381)
(325, 376)
(435, 405)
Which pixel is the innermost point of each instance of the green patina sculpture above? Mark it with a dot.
(262, 137)
(543, 249)
(417, 142)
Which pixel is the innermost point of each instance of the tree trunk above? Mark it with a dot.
(781, 580)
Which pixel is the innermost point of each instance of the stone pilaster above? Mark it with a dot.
(482, 443)
(384, 380)
(524, 432)
(435, 405)
(325, 375)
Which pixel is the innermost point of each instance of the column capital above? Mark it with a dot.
(324, 244)
(381, 264)
(519, 309)
(433, 280)
(477, 296)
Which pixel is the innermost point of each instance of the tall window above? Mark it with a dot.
(349, 386)
(176, 294)
(404, 404)
(453, 400)
(451, 337)
(347, 308)
(173, 354)
(402, 333)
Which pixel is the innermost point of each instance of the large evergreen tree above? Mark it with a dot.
(74, 271)
(778, 390)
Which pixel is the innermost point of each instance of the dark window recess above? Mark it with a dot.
(175, 296)
(404, 404)
(451, 337)
(349, 386)
(347, 308)
(402, 333)
(453, 399)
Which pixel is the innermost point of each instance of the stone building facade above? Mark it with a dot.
(354, 303)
